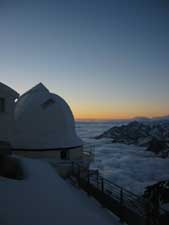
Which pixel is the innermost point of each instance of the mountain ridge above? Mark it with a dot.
(154, 135)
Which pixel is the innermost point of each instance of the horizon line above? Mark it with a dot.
(129, 118)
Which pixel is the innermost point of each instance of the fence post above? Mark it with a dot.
(88, 182)
(79, 174)
(72, 168)
(102, 185)
(152, 206)
(97, 178)
(103, 200)
(88, 177)
(121, 205)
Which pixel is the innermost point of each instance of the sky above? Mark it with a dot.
(109, 59)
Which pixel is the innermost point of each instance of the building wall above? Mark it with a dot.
(74, 154)
(7, 118)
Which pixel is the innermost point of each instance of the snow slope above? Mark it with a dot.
(44, 198)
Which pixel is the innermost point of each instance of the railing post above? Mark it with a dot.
(121, 205)
(79, 174)
(102, 193)
(72, 168)
(97, 178)
(88, 177)
(88, 182)
(152, 206)
(102, 185)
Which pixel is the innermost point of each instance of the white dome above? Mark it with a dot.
(44, 121)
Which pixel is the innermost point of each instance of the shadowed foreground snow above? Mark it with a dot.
(45, 198)
(127, 165)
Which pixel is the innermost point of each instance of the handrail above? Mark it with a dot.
(72, 162)
(123, 197)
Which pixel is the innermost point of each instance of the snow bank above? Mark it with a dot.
(44, 198)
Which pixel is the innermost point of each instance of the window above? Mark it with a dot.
(48, 103)
(16, 99)
(2, 105)
(64, 154)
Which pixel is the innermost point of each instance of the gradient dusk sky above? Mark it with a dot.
(107, 58)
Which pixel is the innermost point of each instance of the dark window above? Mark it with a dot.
(64, 154)
(48, 103)
(2, 105)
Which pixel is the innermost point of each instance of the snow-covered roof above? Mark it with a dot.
(44, 198)
(7, 91)
(44, 121)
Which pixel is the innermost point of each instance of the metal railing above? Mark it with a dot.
(130, 207)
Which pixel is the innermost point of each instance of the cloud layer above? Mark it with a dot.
(127, 165)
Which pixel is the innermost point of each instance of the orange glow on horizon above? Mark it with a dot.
(117, 110)
(100, 117)
(112, 116)
(102, 114)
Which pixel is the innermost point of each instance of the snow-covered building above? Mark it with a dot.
(45, 126)
(7, 105)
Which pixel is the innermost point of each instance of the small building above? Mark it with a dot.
(45, 127)
(8, 99)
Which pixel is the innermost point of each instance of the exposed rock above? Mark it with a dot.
(158, 147)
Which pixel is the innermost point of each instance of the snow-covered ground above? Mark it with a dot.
(44, 198)
(126, 165)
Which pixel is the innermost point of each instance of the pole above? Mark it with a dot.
(72, 168)
(102, 185)
(121, 206)
(97, 179)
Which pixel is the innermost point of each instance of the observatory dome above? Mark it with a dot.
(44, 121)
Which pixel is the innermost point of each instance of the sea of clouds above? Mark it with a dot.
(127, 165)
